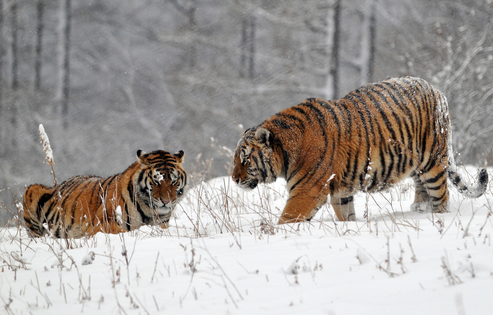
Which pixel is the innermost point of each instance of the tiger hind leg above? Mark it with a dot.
(421, 201)
(431, 191)
(34, 199)
(344, 208)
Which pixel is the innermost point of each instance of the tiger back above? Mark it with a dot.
(145, 193)
(367, 141)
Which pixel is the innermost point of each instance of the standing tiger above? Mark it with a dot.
(145, 193)
(372, 138)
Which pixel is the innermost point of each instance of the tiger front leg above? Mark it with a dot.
(421, 198)
(105, 221)
(111, 227)
(302, 206)
(164, 225)
(344, 208)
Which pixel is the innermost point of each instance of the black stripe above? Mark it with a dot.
(81, 191)
(95, 188)
(361, 103)
(367, 142)
(322, 124)
(282, 124)
(281, 121)
(385, 119)
(130, 189)
(41, 203)
(145, 218)
(285, 155)
(390, 168)
(436, 178)
(304, 113)
(141, 176)
(127, 220)
(374, 182)
(400, 103)
(397, 91)
(439, 198)
(346, 200)
(261, 167)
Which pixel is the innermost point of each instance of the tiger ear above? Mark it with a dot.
(263, 135)
(180, 155)
(140, 153)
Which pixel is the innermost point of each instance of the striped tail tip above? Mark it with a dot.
(474, 191)
(483, 180)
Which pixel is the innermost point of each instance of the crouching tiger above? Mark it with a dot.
(372, 138)
(145, 193)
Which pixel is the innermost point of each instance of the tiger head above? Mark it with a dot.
(253, 159)
(162, 181)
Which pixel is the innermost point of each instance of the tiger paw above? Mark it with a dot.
(351, 217)
(421, 207)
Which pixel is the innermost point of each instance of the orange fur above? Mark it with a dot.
(145, 193)
(367, 141)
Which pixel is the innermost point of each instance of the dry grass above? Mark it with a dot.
(217, 207)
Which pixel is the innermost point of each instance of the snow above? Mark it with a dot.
(331, 177)
(118, 213)
(224, 254)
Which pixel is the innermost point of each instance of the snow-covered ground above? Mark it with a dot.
(223, 254)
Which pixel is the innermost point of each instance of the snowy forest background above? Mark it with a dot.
(107, 78)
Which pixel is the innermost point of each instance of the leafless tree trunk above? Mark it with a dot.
(251, 59)
(243, 45)
(64, 60)
(334, 67)
(332, 31)
(368, 38)
(247, 47)
(189, 12)
(15, 55)
(373, 41)
(39, 40)
(14, 67)
(2, 53)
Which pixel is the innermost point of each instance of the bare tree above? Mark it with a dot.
(368, 42)
(334, 21)
(64, 60)
(247, 47)
(38, 44)
(363, 62)
(189, 11)
(328, 28)
(2, 54)
(15, 53)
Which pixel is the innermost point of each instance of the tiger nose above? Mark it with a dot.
(236, 179)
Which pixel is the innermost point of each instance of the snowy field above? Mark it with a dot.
(223, 254)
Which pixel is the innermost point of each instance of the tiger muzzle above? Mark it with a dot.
(248, 183)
